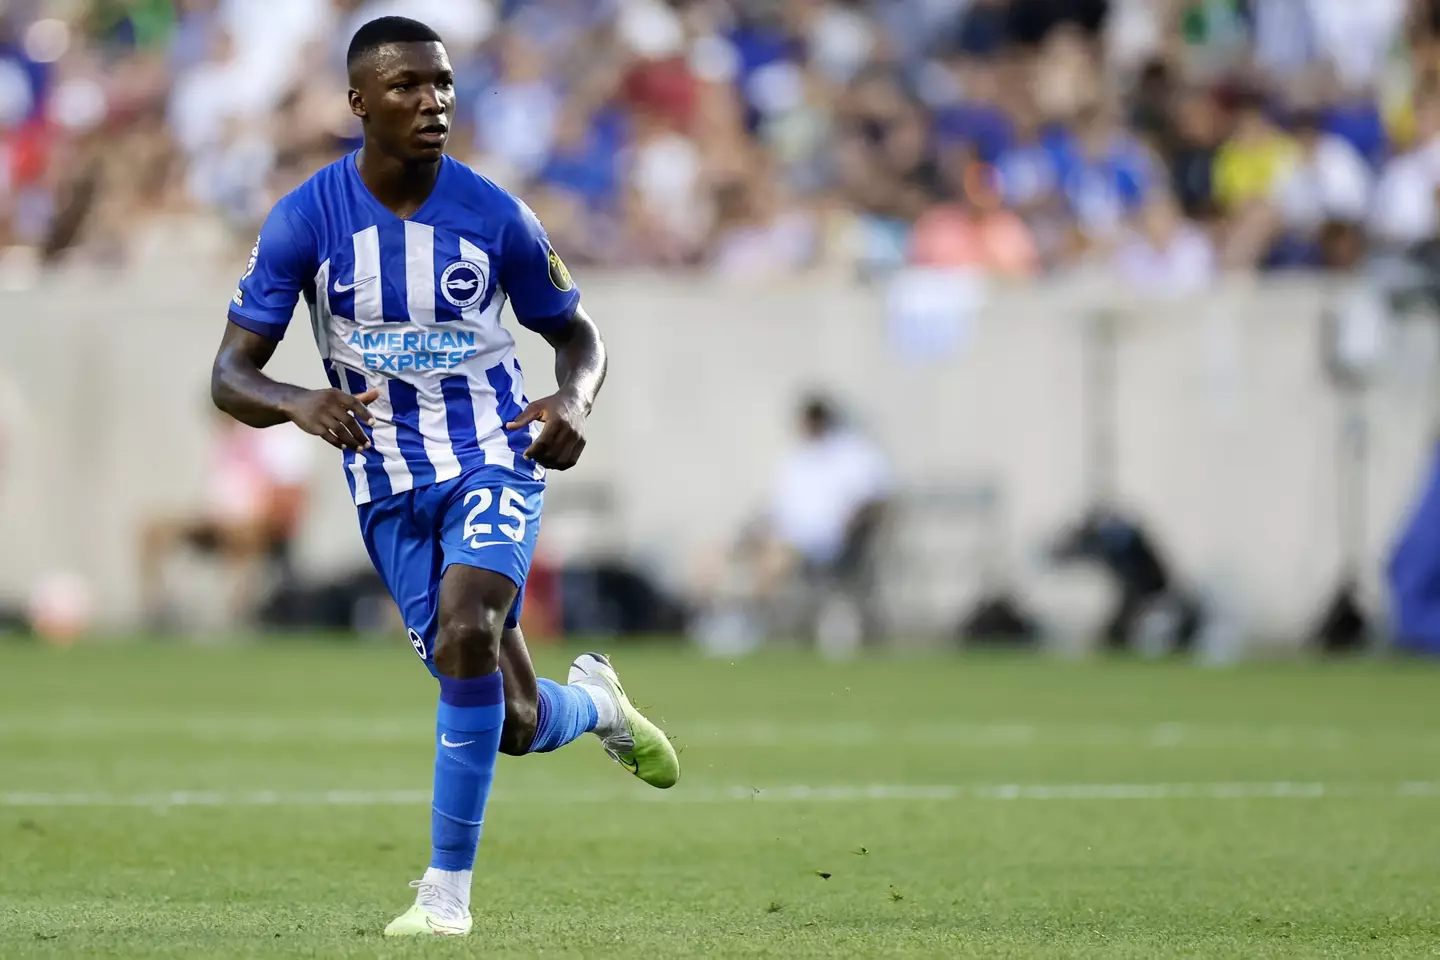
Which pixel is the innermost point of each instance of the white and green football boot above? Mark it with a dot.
(437, 913)
(633, 741)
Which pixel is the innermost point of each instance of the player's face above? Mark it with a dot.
(406, 94)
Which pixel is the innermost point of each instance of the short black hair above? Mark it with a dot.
(384, 31)
(818, 410)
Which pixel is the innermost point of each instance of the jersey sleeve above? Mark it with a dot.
(541, 292)
(282, 262)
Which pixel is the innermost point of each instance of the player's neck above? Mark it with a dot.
(401, 186)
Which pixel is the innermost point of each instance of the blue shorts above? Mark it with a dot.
(488, 517)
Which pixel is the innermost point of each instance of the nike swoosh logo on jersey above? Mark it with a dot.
(445, 742)
(347, 287)
(491, 543)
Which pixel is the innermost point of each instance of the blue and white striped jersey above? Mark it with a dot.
(412, 307)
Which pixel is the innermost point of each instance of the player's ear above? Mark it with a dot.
(357, 104)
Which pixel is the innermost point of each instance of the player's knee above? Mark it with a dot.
(521, 717)
(470, 646)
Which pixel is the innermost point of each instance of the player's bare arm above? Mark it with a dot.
(580, 364)
(239, 386)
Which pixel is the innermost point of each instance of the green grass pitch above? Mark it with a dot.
(270, 801)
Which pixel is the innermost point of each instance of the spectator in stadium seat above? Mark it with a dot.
(826, 511)
(623, 121)
(1253, 161)
(1191, 152)
(1029, 168)
(1326, 180)
(1105, 174)
(258, 482)
(979, 121)
(1358, 121)
(1405, 209)
(1165, 254)
(516, 120)
(757, 235)
(1329, 180)
(975, 230)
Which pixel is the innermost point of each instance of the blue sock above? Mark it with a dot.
(467, 742)
(564, 713)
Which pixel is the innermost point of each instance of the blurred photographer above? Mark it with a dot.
(258, 486)
(1404, 211)
(805, 567)
(825, 513)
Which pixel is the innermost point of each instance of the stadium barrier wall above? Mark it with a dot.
(1227, 431)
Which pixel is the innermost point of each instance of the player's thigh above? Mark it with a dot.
(473, 605)
(408, 559)
(490, 523)
(474, 599)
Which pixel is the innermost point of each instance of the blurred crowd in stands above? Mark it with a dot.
(1167, 139)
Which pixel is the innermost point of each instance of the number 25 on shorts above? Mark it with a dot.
(511, 507)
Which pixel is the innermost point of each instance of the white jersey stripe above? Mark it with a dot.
(435, 429)
(498, 454)
(497, 341)
(320, 311)
(492, 334)
(356, 467)
(488, 426)
(367, 282)
(420, 272)
(370, 315)
(382, 435)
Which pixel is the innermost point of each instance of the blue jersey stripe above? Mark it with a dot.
(504, 386)
(481, 259)
(460, 419)
(524, 400)
(405, 404)
(340, 294)
(393, 294)
(447, 251)
(375, 473)
(347, 456)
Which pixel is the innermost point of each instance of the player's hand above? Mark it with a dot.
(335, 416)
(561, 441)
